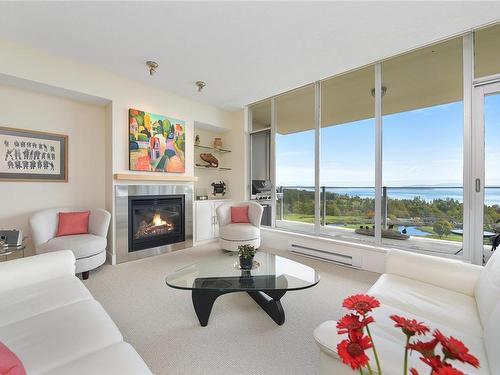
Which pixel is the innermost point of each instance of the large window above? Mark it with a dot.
(295, 137)
(390, 154)
(422, 166)
(347, 161)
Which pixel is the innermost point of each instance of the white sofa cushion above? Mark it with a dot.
(36, 269)
(239, 232)
(487, 291)
(82, 245)
(460, 277)
(117, 359)
(30, 300)
(492, 339)
(57, 337)
(429, 301)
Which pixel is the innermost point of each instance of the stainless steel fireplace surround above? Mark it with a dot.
(122, 194)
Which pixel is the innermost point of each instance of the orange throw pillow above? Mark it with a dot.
(239, 214)
(73, 223)
(10, 364)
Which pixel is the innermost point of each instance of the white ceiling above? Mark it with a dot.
(245, 51)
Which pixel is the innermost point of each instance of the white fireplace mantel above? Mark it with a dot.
(154, 177)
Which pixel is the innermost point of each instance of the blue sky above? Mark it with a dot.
(420, 147)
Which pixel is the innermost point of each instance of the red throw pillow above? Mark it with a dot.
(10, 364)
(239, 214)
(73, 223)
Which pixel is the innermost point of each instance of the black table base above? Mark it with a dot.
(268, 300)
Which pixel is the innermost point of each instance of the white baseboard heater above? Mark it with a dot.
(327, 256)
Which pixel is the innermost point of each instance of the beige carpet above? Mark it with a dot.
(240, 338)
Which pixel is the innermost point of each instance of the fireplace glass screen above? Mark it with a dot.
(155, 221)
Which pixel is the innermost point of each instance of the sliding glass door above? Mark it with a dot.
(486, 153)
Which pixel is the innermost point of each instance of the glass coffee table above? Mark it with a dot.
(271, 277)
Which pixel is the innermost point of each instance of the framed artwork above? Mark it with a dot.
(33, 156)
(156, 143)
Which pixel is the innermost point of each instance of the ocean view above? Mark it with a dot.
(428, 194)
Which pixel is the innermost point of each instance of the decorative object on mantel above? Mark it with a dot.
(33, 156)
(217, 142)
(246, 254)
(219, 188)
(156, 143)
(197, 140)
(212, 161)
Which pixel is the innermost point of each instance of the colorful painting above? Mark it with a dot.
(157, 143)
(32, 155)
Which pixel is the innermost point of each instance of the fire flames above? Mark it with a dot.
(156, 226)
(157, 220)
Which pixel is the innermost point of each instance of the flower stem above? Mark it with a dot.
(406, 355)
(370, 371)
(361, 371)
(379, 370)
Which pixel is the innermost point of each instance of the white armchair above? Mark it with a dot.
(232, 235)
(89, 249)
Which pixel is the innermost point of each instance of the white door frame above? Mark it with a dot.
(478, 167)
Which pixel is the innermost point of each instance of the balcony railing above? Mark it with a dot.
(427, 217)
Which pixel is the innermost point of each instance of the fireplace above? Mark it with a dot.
(152, 219)
(155, 220)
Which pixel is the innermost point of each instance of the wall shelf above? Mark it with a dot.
(219, 150)
(154, 177)
(215, 168)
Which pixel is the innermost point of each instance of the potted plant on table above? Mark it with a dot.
(246, 254)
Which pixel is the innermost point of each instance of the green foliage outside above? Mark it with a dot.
(437, 217)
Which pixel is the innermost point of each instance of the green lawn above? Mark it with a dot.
(354, 222)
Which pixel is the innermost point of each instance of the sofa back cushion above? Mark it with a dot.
(487, 291)
(492, 338)
(71, 223)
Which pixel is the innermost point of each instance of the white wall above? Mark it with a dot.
(29, 64)
(85, 126)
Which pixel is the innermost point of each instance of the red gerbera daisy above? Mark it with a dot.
(424, 348)
(353, 353)
(434, 362)
(361, 303)
(352, 322)
(455, 349)
(414, 371)
(410, 327)
(448, 370)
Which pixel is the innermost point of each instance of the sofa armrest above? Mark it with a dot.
(31, 270)
(99, 222)
(223, 213)
(450, 274)
(255, 211)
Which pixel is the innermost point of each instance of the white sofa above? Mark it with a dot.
(89, 249)
(460, 299)
(53, 324)
(233, 235)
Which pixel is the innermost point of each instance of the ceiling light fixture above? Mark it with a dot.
(201, 85)
(152, 66)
